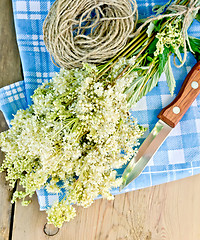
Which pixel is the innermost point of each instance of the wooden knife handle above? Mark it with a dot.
(190, 89)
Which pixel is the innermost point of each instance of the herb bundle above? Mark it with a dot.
(74, 132)
(153, 45)
(79, 123)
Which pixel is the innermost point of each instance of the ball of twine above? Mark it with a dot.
(93, 31)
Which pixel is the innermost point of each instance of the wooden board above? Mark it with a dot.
(10, 71)
(10, 65)
(168, 211)
(5, 205)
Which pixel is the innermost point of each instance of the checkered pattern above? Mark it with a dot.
(12, 98)
(177, 158)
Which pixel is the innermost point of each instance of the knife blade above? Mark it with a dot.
(168, 119)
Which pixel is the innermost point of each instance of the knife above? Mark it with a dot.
(168, 119)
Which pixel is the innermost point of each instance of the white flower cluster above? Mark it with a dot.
(171, 36)
(75, 131)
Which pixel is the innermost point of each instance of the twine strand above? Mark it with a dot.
(178, 11)
(73, 34)
(186, 22)
(90, 31)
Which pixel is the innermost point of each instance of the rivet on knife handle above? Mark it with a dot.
(190, 89)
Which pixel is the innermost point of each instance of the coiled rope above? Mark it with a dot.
(93, 31)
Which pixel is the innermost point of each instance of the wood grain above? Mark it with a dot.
(10, 65)
(5, 205)
(169, 211)
(184, 99)
(10, 71)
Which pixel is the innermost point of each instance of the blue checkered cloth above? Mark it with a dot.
(177, 158)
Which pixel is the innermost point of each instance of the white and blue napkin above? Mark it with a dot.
(178, 157)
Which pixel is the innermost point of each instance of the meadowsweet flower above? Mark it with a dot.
(74, 132)
(171, 36)
(59, 213)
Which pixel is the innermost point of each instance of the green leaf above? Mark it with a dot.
(152, 46)
(178, 55)
(150, 59)
(191, 17)
(140, 68)
(158, 9)
(170, 77)
(198, 17)
(133, 91)
(150, 84)
(163, 58)
(137, 89)
(150, 29)
(157, 25)
(134, 97)
(181, 49)
(195, 46)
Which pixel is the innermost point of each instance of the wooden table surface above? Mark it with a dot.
(169, 211)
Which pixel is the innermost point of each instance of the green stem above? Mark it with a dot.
(135, 49)
(149, 76)
(127, 67)
(68, 124)
(145, 47)
(120, 75)
(127, 46)
(137, 44)
(136, 64)
(130, 46)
